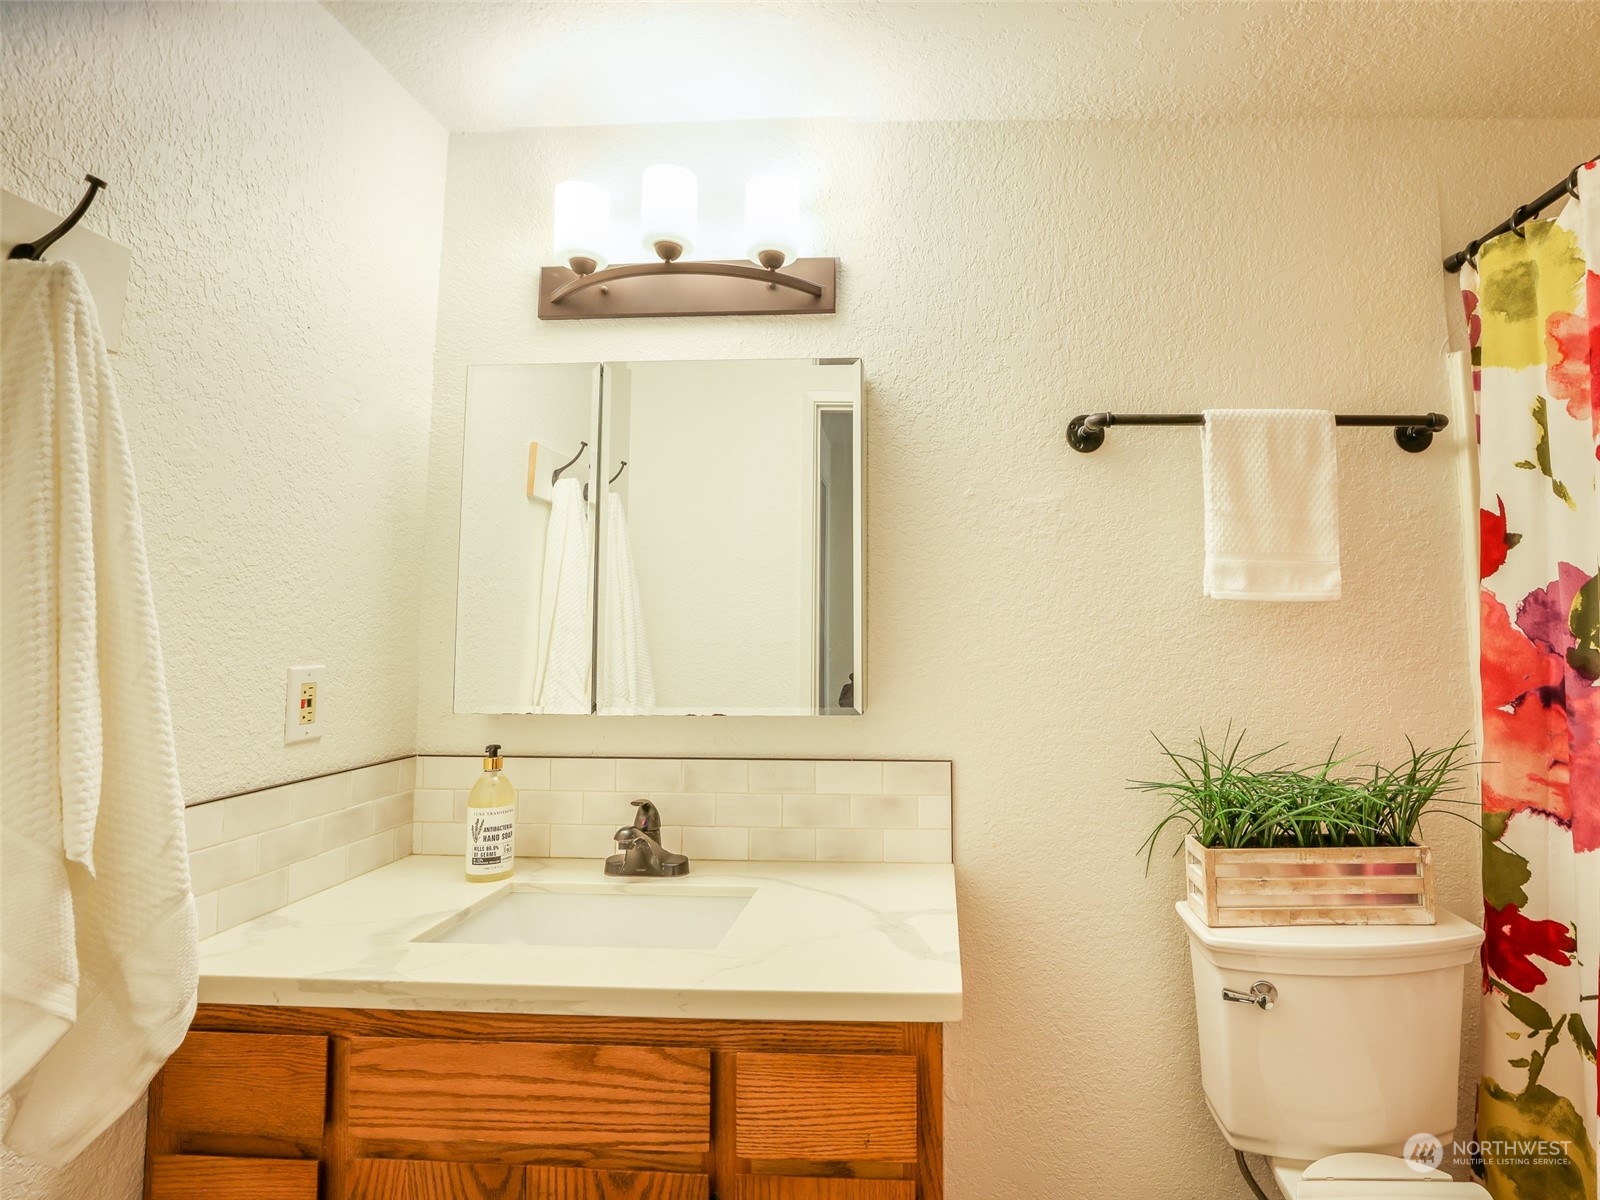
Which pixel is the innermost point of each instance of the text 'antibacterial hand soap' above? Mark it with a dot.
(491, 822)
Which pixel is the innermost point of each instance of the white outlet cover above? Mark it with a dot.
(293, 729)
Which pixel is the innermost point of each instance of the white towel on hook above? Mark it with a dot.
(1272, 504)
(564, 638)
(98, 969)
(627, 682)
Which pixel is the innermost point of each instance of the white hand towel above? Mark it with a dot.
(627, 681)
(565, 639)
(1272, 505)
(98, 967)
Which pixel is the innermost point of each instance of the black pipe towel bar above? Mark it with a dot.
(1519, 217)
(34, 250)
(1086, 433)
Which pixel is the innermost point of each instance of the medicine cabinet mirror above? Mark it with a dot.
(662, 538)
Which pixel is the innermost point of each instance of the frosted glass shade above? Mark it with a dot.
(668, 206)
(582, 219)
(771, 219)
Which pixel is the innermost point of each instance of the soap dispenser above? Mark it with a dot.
(491, 817)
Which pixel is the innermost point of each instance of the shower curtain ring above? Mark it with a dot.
(1518, 220)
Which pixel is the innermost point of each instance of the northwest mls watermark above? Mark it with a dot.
(1423, 1152)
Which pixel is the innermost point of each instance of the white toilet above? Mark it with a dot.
(1340, 1044)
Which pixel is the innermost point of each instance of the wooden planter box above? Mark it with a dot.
(1343, 885)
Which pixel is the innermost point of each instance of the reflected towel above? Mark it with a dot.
(627, 683)
(1272, 505)
(565, 643)
(98, 970)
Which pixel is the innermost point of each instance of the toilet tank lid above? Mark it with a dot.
(1448, 933)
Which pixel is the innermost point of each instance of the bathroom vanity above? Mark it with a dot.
(750, 1032)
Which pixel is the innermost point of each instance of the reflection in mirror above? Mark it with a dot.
(729, 562)
(836, 636)
(706, 561)
(524, 621)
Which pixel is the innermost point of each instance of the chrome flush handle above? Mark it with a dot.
(1262, 994)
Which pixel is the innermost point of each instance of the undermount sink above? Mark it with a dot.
(633, 916)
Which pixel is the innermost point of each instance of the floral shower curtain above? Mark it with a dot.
(1533, 306)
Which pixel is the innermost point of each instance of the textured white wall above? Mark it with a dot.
(281, 196)
(1033, 613)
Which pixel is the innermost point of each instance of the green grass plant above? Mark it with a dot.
(1226, 797)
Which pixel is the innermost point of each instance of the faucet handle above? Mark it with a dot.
(648, 819)
(639, 848)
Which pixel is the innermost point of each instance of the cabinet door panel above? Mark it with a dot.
(197, 1177)
(270, 1085)
(531, 1094)
(568, 1183)
(777, 1187)
(404, 1179)
(827, 1107)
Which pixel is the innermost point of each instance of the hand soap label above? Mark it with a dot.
(490, 831)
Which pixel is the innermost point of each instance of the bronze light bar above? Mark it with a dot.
(677, 286)
(1087, 433)
(687, 289)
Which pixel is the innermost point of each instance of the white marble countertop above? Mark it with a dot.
(817, 941)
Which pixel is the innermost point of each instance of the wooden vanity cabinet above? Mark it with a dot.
(267, 1103)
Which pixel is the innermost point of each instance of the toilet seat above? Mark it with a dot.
(1379, 1177)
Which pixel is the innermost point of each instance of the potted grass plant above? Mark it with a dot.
(1330, 843)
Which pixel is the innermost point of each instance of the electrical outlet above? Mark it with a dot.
(302, 717)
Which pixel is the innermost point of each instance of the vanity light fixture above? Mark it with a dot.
(677, 285)
(669, 208)
(771, 220)
(582, 217)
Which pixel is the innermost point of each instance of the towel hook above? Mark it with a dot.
(556, 475)
(618, 475)
(34, 250)
(582, 446)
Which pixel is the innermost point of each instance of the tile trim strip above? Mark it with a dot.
(379, 762)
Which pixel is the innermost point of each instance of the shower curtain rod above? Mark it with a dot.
(1518, 217)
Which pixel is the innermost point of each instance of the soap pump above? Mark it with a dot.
(491, 817)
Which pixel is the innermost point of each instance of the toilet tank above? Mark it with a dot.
(1359, 1051)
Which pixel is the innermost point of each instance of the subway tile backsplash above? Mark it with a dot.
(255, 852)
(791, 810)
